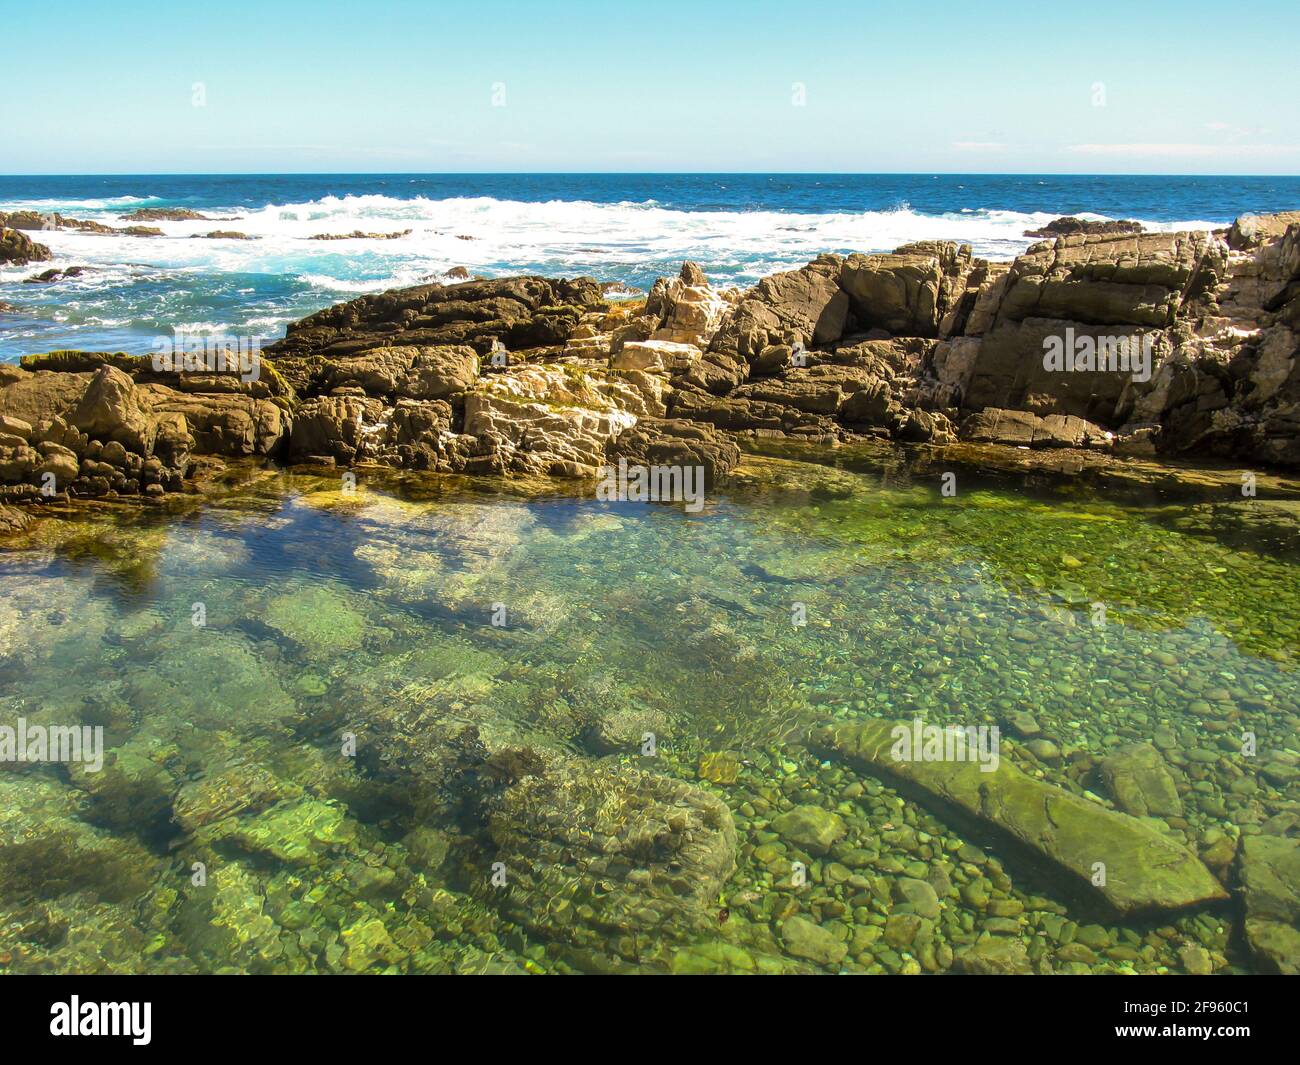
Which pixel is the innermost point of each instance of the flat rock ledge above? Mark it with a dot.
(1145, 871)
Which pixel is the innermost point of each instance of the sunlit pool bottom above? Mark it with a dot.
(454, 726)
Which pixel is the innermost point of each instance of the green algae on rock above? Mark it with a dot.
(1136, 868)
(1269, 870)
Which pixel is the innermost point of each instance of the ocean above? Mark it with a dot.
(627, 228)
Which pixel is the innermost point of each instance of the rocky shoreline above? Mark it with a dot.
(530, 375)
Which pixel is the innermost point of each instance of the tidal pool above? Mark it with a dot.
(290, 678)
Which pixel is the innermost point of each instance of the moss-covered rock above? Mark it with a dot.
(1132, 865)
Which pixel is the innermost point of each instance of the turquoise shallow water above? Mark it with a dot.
(327, 615)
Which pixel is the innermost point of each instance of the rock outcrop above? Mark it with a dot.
(1130, 343)
(18, 249)
(93, 424)
(1070, 226)
(165, 214)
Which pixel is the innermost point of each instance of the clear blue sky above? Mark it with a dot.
(400, 85)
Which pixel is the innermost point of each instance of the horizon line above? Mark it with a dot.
(639, 173)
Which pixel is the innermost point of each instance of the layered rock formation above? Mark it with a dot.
(1180, 344)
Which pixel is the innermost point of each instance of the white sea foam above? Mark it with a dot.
(558, 236)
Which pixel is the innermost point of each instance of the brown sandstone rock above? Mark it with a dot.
(18, 249)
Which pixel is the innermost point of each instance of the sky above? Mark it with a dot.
(287, 86)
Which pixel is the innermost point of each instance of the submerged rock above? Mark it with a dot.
(995, 956)
(1143, 869)
(1268, 870)
(1140, 782)
(318, 619)
(806, 939)
(811, 827)
(613, 861)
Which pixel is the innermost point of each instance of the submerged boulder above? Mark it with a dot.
(1268, 871)
(1134, 867)
(1140, 782)
(617, 862)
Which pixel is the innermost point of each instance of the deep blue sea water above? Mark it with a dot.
(617, 227)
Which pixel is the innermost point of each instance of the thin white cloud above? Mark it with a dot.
(1184, 150)
(1235, 132)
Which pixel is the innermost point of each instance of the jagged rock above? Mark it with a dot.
(407, 372)
(1070, 226)
(1140, 782)
(520, 312)
(165, 214)
(47, 276)
(13, 519)
(27, 220)
(675, 442)
(1021, 428)
(357, 234)
(656, 356)
(909, 292)
(738, 413)
(328, 426)
(803, 389)
(1141, 280)
(1251, 231)
(687, 309)
(225, 424)
(1006, 368)
(556, 419)
(34, 397)
(111, 409)
(1144, 869)
(1268, 871)
(573, 382)
(806, 306)
(18, 249)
